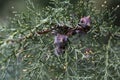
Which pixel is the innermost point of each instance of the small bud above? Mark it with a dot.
(12, 7)
(118, 6)
(88, 53)
(105, 2)
(102, 5)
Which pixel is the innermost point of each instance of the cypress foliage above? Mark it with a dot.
(26, 55)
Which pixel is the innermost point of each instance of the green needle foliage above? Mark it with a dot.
(26, 55)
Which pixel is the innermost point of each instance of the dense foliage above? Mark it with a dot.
(26, 55)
